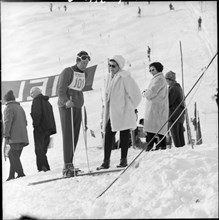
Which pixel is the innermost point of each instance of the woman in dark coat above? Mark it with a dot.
(175, 98)
(15, 133)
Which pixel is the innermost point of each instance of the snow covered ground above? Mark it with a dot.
(175, 183)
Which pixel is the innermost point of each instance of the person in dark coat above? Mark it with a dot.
(171, 6)
(216, 97)
(44, 126)
(199, 23)
(175, 98)
(149, 53)
(70, 101)
(15, 133)
(139, 11)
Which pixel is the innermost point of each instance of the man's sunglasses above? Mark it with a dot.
(84, 57)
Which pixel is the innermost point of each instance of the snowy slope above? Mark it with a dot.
(175, 183)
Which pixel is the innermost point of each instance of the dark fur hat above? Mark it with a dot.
(158, 66)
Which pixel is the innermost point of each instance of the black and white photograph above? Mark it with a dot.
(109, 109)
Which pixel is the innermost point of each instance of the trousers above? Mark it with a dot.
(177, 132)
(14, 158)
(109, 136)
(41, 141)
(66, 124)
(161, 145)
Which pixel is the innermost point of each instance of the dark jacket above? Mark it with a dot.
(175, 98)
(42, 115)
(15, 123)
(64, 93)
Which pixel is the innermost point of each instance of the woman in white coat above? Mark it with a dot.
(122, 96)
(156, 108)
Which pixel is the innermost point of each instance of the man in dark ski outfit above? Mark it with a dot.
(175, 98)
(70, 96)
(44, 126)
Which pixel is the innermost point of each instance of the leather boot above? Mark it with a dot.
(123, 163)
(105, 165)
(69, 170)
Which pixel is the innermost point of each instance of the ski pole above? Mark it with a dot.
(72, 130)
(133, 138)
(84, 125)
(5, 146)
(142, 151)
(159, 129)
(186, 111)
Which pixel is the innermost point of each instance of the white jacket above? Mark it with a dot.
(122, 96)
(157, 105)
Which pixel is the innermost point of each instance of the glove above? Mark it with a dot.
(143, 93)
(69, 104)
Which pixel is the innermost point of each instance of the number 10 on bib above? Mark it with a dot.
(78, 81)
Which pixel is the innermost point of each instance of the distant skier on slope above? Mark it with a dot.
(171, 6)
(139, 12)
(149, 53)
(199, 23)
(216, 97)
(51, 6)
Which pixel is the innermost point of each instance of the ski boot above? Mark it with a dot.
(105, 165)
(69, 170)
(123, 163)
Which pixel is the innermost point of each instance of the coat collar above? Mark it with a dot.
(123, 73)
(158, 74)
(12, 101)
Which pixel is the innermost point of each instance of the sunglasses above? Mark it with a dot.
(84, 57)
(169, 79)
(113, 66)
(151, 70)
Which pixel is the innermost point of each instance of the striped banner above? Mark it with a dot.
(48, 85)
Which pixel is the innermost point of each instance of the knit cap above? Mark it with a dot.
(119, 60)
(171, 75)
(9, 96)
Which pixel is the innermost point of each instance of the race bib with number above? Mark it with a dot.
(78, 81)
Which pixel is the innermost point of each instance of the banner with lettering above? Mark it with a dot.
(48, 85)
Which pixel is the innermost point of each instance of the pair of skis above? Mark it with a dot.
(79, 173)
